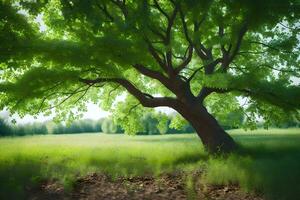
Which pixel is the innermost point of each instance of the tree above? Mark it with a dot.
(4, 128)
(149, 124)
(108, 126)
(154, 123)
(182, 54)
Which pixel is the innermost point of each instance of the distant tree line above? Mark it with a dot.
(7, 129)
(151, 126)
(106, 125)
(49, 127)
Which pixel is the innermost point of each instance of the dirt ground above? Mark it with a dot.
(176, 186)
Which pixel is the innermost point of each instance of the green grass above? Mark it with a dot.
(268, 162)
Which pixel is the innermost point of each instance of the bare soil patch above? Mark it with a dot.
(175, 186)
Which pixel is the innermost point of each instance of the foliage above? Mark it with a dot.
(155, 123)
(96, 50)
(108, 126)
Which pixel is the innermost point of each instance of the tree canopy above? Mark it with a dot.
(97, 50)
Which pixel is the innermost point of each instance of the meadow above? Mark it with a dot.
(268, 161)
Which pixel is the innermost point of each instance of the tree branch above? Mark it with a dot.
(155, 55)
(168, 40)
(210, 68)
(157, 6)
(194, 73)
(112, 90)
(221, 35)
(270, 47)
(53, 93)
(133, 107)
(144, 99)
(105, 11)
(280, 70)
(186, 61)
(237, 47)
(70, 94)
(199, 52)
(122, 6)
(202, 50)
(206, 91)
(152, 74)
(158, 33)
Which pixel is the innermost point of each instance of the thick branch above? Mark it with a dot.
(122, 7)
(152, 74)
(170, 24)
(237, 47)
(205, 91)
(168, 40)
(227, 56)
(221, 35)
(201, 51)
(210, 68)
(156, 5)
(145, 99)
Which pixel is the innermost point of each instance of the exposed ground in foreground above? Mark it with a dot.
(167, 187)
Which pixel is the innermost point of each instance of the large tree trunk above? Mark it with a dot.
(212, 135)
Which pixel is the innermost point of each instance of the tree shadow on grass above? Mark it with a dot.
(268, 166)
(16, 175)
(21, 174)
(275, 172)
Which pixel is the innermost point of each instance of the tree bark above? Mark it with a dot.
(212, 135)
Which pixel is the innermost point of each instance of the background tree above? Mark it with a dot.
(108, 126)
(5, 130)
(192, 55)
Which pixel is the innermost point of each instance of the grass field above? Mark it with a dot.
(268, 161)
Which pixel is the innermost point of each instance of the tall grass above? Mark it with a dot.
(268, 162)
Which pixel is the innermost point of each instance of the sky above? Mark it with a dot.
(93, 112)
